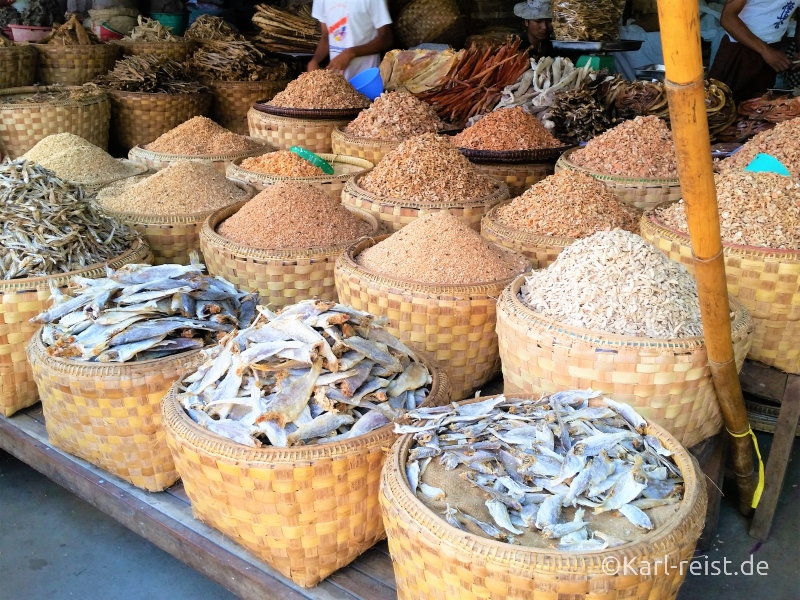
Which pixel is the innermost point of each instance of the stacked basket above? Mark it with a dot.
(17, 66)
(177, 50)
(369, 149)
(233, 99)
(287, 127)
(74, 65)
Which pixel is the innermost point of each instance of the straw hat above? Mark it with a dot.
(533, 10)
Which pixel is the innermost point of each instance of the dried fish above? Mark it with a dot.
(150, 73)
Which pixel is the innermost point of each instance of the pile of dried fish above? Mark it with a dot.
(417, 71)
(317, 372)
(291, 30)
(771, 107)
(533, 467)
(71, 33)
(150, 30)
(210, 28)
(577, 115)
(150, 73)
(632, 99)
(140, 312)
(235, 61)
(587, 20)
(50, 226)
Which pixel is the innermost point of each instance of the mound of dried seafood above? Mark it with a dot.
(526, 471)
(282, 162)
(211, 28)
(780, 142)
(234, 61)
(317, 372)
(320, 89)
(291, 30)
(71, 33)
(395, 116)
(506, 129)
(150, 73)
(140, 312)
(150, 30)
(200, 136)
(50, 226)
(616, 282)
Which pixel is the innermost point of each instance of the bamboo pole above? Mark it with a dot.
(680, 41)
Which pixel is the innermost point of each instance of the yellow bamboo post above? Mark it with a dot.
(680, 41)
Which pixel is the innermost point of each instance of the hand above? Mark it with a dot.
(777, 60)
(341, 62)
(312, 65)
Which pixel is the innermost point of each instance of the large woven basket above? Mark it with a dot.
(518, 177)
(17, 66)
(285, 132)
(369, 149)
(541, 250)
(110, 413)
(344, 168)
(434, 560)
(74, 65)
(232, 100)
(23, 125)
(766, 281)
(138, 118)
(639, 192)
(178, 50)
(454, 323)
(281, 277)
(23, 299)
(161, 160)
(172, 238)
(666, 380)
(305, 510)
(434, 21)
(394, 214)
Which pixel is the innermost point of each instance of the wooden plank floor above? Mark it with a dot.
(166, 520)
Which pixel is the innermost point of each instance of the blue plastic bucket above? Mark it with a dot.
(177, 21)
(369, 83)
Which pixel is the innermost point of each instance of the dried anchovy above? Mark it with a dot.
(150, 73)
(208, 27)
(235, 61)
(50, 226)
(150, 30)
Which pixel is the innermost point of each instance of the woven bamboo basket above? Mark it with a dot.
(23, 299)
(454, 323)
(232, 100)
(281, 277)
(305, 510)
(109, 414)
(344, 168)
(639, 192)
(17, 66)
(765, 281)
(394, 214)
(172, 238)
(23, 125)
(285, 132)
(74, 65)
(161, 160)
(541, 250)
(138, 118)
(518, 177)
(434, 560)
(666, 380)
(369, 149)
(178, 50)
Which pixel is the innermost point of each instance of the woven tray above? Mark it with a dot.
(74, 65)
(232, 100)
(454, 323)
(668, 381)
(285, 132)
(281, 277)
(309, 113)
(23, 299)
(765, 281)
(369, 149)
(344, 168)
(23, 125)
(305, 510)
(541, 250)
(109, 414)
(17, 66)
(138, 118)
(514, 156)
(178, 51)
(161, 160)
(394, 214)
(519, 178)
(641, 193)
(763, 416)
(433, 559)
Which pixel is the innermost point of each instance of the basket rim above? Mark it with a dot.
(129, 42)
(74, 48)
(532, 155)
(221, 83)
(307, 113)
(363, 141)
(528, 556)
(490, 221)
(617, 179)
(142, 169)
(125, 93)
(175, 418)
(236, 168)
(347, 262)
(253, 113)
(742, 319)
(209, 233)
(501, 192)
(18, 47)
(146, 154)
(101, 96)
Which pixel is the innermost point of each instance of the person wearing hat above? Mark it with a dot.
(538, 18)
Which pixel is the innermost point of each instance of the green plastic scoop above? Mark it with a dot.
(314, 159)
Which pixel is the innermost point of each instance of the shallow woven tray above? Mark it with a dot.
(514, 156)
(764, 280)
(177, 51)
(344, 168)
(281, 277)
(454, 323)
(23, 299)
(74, 65)
(518, 177)
(370, 149)
(666, 380)
(109, 414)
(17, 66)
(305, 510)
(161, 160)
(308, 113)
(285, 132)
(434, 560)
(232, 100)
(639, 192)
(394, 214)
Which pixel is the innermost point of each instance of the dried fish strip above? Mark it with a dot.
(255, 391)
(292, 30)
(149, 73)
(234, 61)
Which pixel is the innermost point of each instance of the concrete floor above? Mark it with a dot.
(53, 546)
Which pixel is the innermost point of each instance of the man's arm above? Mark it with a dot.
(322, 50)
(731, 22)
(383, 41)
